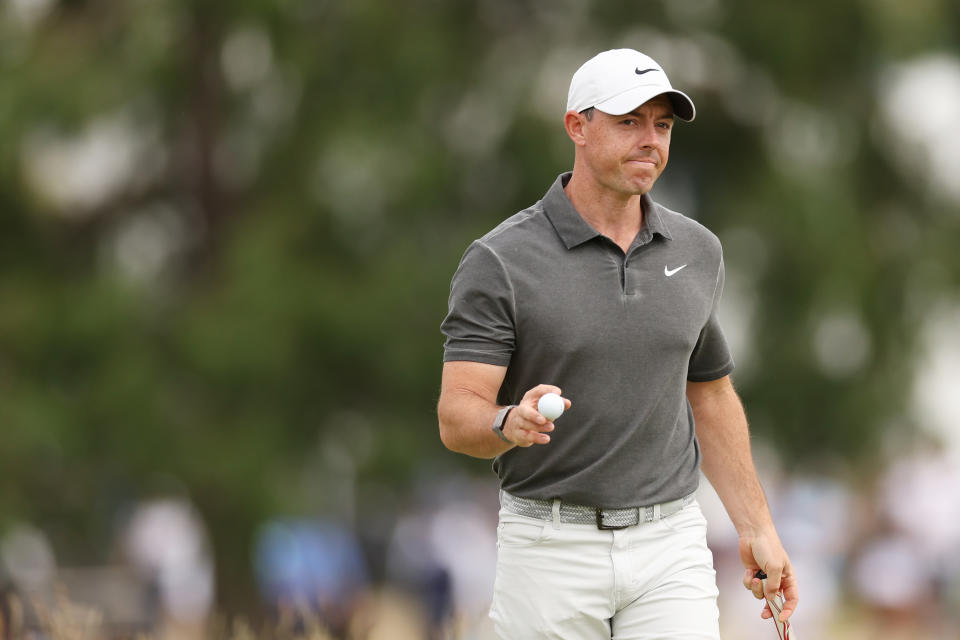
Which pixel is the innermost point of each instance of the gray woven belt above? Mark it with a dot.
(581, 514)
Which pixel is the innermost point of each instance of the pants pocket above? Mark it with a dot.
(521, 533)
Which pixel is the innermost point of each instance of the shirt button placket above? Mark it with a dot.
(629, 285)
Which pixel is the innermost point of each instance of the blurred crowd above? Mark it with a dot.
(876, 557)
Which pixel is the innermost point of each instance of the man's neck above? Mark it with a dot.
(615, 215)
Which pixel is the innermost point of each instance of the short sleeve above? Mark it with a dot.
(711, 358)
(480, 322)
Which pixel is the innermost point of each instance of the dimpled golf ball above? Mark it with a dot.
(550, 406)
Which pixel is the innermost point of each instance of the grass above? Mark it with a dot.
(63, 619)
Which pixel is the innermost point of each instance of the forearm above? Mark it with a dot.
(727, 459)
(468, 408)
(466, 421)
(728, 463)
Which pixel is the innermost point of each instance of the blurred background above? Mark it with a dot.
(227, 231)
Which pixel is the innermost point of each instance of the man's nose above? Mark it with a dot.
(648, 135)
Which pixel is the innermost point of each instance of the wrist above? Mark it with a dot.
(501, 421)
(755, 530)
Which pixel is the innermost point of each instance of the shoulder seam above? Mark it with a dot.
(507, 224)
(716, 283)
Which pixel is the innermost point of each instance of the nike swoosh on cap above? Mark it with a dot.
(640, 73)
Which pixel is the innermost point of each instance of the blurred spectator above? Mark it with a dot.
(890, 577)
(919, 505)
(27, 560)
(166, 540)
(27, 574)
(311, 570)
(919, 496)
(445, 553)
(815, 518)
(413, 566)
(464, 543)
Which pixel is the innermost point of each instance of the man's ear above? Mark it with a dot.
(574, 123)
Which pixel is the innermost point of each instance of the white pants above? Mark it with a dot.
(652, 581)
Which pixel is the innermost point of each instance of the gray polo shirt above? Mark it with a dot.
(547, 296)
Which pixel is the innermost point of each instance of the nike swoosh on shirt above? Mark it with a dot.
(669, 272)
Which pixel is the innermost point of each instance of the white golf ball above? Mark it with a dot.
(550, 406)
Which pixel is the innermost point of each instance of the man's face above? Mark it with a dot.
(627, 153)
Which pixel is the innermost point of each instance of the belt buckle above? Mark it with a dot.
(607, 527)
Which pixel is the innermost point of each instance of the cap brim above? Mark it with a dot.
(631, 99)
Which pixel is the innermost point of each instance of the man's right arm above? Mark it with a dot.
(468, 408)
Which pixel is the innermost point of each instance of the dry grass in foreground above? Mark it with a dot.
(63, 619)
(383, 615)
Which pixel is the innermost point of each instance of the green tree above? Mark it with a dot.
(227, 232)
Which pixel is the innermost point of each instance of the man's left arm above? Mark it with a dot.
(724, 437)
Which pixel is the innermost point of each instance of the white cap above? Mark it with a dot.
(620, 80)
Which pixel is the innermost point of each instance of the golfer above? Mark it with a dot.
(602, 295)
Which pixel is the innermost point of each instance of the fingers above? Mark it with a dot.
(768, 572)
(534, 394)
(772, 585)
(526, 427)
(791, 594)
(780, 579)
(758, 583)
(753, 583)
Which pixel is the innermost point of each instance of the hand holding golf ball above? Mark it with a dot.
(550, 406)
(531, 421)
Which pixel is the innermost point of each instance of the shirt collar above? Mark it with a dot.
(653, 222)
(574, 230)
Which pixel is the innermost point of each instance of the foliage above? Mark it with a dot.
(258, 280)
